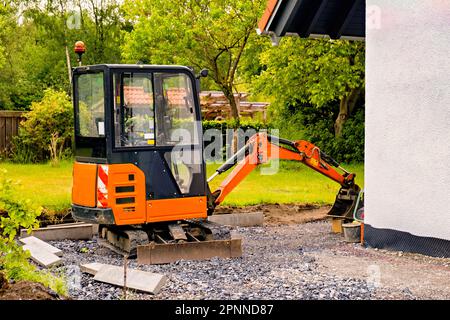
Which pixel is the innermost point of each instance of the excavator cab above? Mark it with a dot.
(138, 145)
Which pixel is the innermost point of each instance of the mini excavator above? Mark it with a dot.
(149, 195)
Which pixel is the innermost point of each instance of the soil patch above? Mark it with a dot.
(25, 290)
(281, 214)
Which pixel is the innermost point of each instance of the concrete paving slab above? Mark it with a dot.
(42, 256)
(136, 279)
(251, 219)
(91, 268)
(72, 232)
(66, 224)
(33, 241)
(94, 225)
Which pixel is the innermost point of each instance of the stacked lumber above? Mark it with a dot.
(215, 106)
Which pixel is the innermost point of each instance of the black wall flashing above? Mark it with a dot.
(406, 242)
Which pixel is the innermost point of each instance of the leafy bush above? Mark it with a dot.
(47, 131)
(242, 137)
(233, 124)
(15, 214)
(316, 125)
(349, 147)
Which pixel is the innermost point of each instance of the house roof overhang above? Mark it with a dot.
(314, 18)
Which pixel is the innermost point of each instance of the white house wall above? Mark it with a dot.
(407, 164)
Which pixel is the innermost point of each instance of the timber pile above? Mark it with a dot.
(215, 106)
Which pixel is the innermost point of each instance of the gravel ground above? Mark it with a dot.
(299, 261)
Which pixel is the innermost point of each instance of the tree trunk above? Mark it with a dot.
(69, 67)
(346, 106)
(228, 92)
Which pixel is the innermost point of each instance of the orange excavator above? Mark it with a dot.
(140, 171)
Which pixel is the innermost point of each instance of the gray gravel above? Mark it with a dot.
(277, 263)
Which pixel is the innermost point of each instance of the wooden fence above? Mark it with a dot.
(9, 127)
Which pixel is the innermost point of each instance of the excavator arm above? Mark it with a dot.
(262, 148)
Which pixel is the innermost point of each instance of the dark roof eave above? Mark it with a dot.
(335, 19)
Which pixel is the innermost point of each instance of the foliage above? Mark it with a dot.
(317, 87)
(47, 130)
(351, 145)
(35, 50)
(208, 33)
(347, 148)
(317, 72)
(233, 124)
(3, 29)
(16, 213)
(302, 78)
(317, 125)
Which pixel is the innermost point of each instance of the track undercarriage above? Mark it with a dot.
(168, 242)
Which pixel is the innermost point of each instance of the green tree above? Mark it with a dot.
(203, 33)
(316, 72)
(3, 25)
(38, 51)
(62, 23)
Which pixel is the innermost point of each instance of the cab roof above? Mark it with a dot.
(131, 66)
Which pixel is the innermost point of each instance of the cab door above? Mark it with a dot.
(157, 128)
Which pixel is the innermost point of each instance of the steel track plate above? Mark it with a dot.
(166, 253)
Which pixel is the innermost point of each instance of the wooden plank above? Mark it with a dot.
(8, 132)
(10, 113)
(136, 279)
(15, 126)
(33, 241)
(336, 225)
(2, 134)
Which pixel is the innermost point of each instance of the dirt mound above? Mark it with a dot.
(24, 290)
(282, 213)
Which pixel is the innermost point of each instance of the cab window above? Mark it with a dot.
(154, 110)
(134, 112)
(175, 110)
(91, 105)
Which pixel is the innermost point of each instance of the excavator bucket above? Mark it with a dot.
(345, 203)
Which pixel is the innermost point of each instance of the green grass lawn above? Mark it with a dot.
(293, 183)
(43, 184)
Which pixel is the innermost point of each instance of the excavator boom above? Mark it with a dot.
(262, 148)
